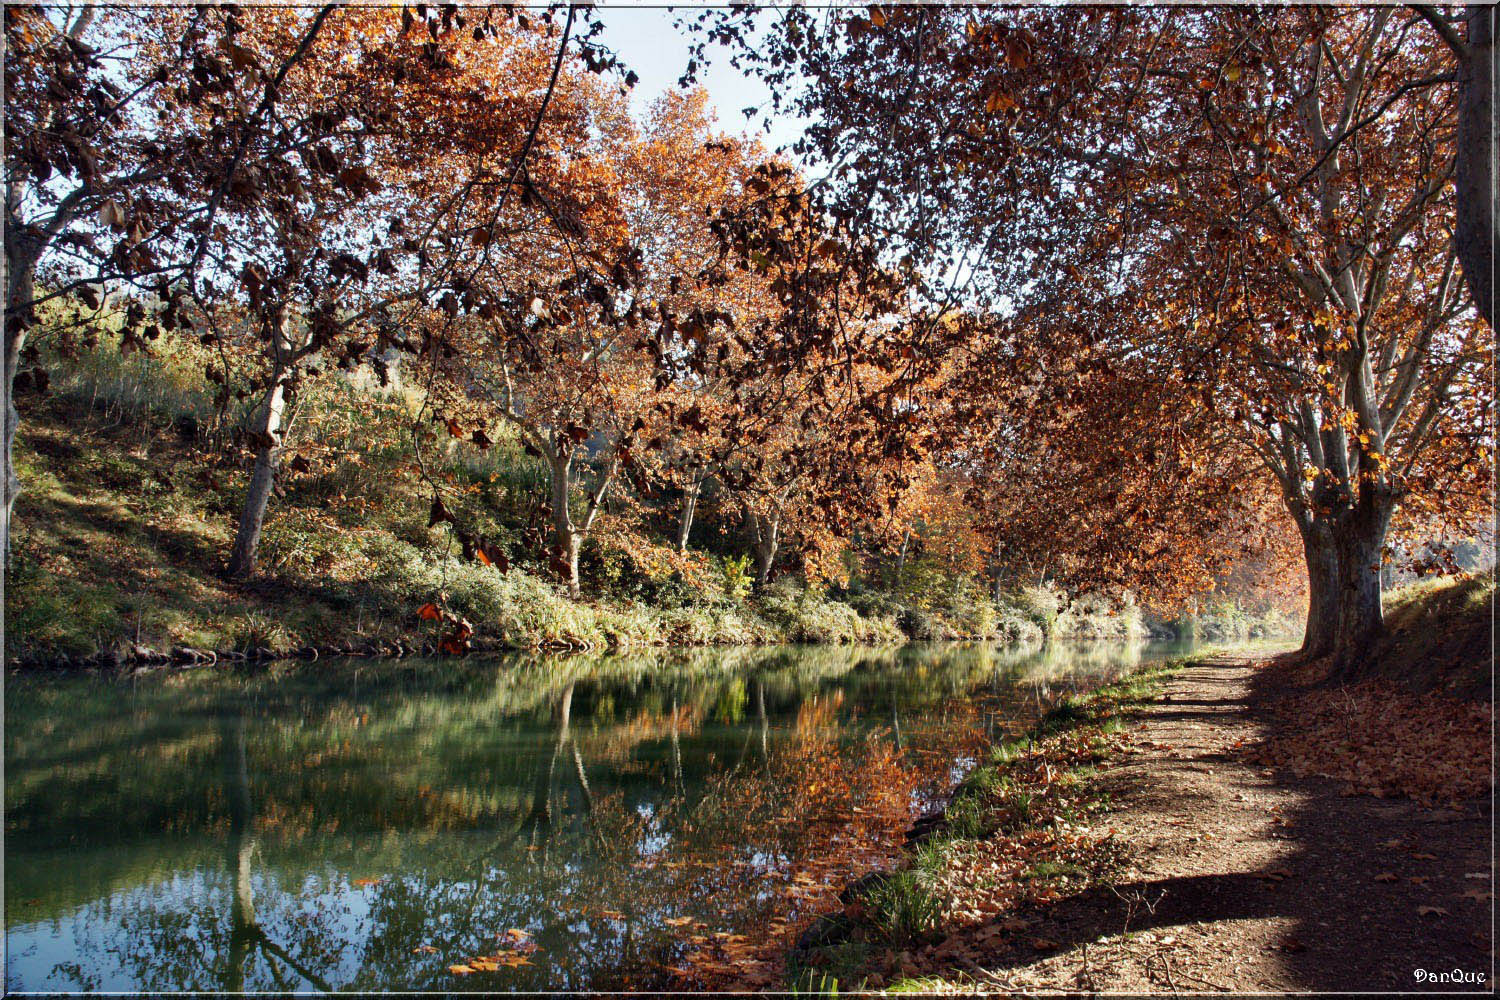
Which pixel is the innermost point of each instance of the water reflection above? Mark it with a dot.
(343, 826)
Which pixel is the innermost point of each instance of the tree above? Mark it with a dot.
(401, 128)
(1476, 228)
(1271, 236)
(85, 155)
(232, 159)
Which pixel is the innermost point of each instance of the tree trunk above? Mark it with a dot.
(10, 483)
(20, 278)
(268, 423)
(539, 820)
(1322, 591)
(241, 846)
(689, 507)
(566, 536)
(764, 529)
(1359, 541)
(1476, 230)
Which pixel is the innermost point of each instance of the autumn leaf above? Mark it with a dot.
(999, 101)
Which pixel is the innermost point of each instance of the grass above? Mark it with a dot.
(1438, 636)
(122, 528)
(839, 965)
(1044, 870)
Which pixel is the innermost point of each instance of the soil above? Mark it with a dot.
(1240, 878)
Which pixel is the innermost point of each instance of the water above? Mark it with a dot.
(607, 822)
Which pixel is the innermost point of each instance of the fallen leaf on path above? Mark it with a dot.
(1385, 877)
(1431, 911)
(1420, 856)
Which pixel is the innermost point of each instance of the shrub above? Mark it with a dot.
(973, 615)
(1039, 605)
(737, 577)
(804, 615)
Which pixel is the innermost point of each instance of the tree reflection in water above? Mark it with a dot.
(314, 829)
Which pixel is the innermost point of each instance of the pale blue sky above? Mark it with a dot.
(647, 41)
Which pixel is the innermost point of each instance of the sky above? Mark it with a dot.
(648, 43)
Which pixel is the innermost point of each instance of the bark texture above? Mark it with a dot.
(568, 534)
(689, 509)
(268, 426)
(765, 532)
(1476, 230)
(1322, 591)
(1360, 544)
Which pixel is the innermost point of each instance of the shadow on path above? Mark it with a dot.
(1247, 879)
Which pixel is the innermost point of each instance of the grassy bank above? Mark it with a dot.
(1020, 830)
(131, 494)
(1226, 621)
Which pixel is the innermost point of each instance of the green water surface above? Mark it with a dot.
(365, 826)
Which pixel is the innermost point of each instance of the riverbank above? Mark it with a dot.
(128, 511)
(1232, 823)
(1024, 828)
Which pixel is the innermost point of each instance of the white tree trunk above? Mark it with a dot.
(269, 421)
(689, 508)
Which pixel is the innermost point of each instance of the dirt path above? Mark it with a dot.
(1244, 879)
